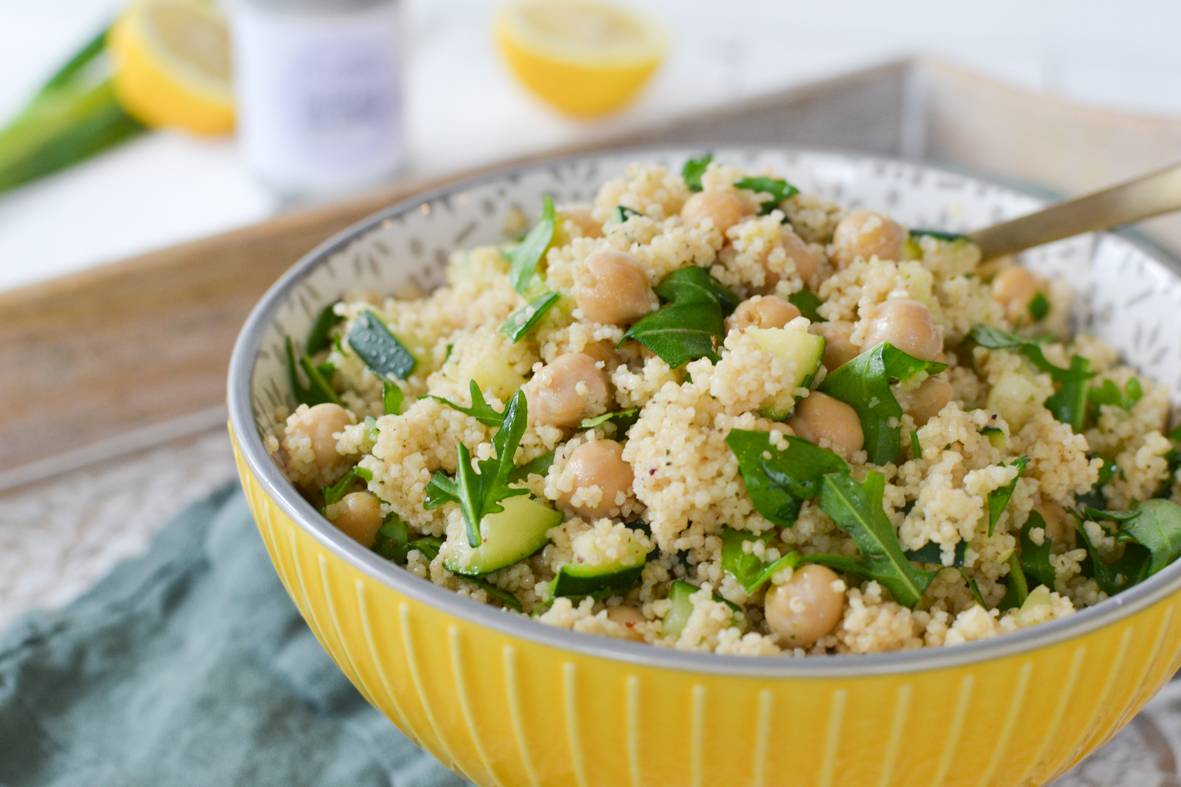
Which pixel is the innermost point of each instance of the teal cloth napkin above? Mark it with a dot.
(191, 666)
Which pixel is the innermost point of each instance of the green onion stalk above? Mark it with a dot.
(74, 116)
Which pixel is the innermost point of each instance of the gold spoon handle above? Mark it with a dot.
(1142, 198)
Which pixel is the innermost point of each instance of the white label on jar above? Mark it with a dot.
(319, 95)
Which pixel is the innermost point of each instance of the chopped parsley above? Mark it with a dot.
(999, 497)
(623, 213)
(1039, 307)
(392, 398)
(1108, 393)
(778, 188)
(694, 168)
(1035, 558)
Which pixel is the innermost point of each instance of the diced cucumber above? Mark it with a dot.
(496, 376)
(508, 537)
(682, 608)
(608, 578)
(801, 352)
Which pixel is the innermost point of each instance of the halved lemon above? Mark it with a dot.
(172, 65)
(583, 57)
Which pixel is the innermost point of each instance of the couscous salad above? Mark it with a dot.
(711, 412)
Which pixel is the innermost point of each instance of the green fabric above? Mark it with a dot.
(190, 666)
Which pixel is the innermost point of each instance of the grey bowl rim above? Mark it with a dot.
(267, 474)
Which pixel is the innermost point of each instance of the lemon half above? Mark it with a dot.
(172, 66)
(583, 57)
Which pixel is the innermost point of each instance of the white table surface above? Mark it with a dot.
(463, 108)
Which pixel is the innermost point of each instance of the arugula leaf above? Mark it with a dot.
(319, 337)
(1108, 393)
(527, 255)
(778, 188)
(1035, 559)
(1154, 525)
(1016, 588)
(694, 168)
(748, 569)
(932, 552)
(381, 351)
(480, 492)
(864, 384)
(393, 538)
(1069, 403)
(500, 594)
(842, 563)
(808, 303)
(857, 510)
(391, 398)
(318, 389)
(918, 232)
(779, 481)
(680, 332)
(1039, 307)
(623, 213)
(340, 487)
(999, 497)
(525, 319)
(696, 285)
(1118, 575)
(440, 491)
(916, 448)
(539, 466)
(480, 409)
(429, 546)
(622, 418)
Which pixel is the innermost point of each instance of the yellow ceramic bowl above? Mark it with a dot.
(505, 700)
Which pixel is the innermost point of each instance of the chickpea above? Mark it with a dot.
(320, 424)
(613, 288)
(1014, 288)
(723, 208)
(629, 618)
(358, 514)
(805, 260)
(824, 420)
(838, 347)
(866, 234)
(602, 350)
(806, 607)
(762, 311)
(1059, 523)
(907, 325)
(931, 396)
(599, 463)
(566, 390)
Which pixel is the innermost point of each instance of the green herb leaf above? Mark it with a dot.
(997, 339)
(428, 545)
(1108, 393)
(320, 336)
(778, 188)
(393, 538)
(391, 398)
(999, 497)
(864, 384)
(500, 594)
(694, 168)
(527, 255)
(341, 486)
(1035, 558)
(440, 491)
(842, 563)
(381, 351)
(1130, 568)
(1069, 403)
(916, 448)
(480, 409)
(680, 332)
(918, 232)
(1039, 307)
(779, 481)
(748, 569)
(808, 303)
(539, 466)
(525, 319)
(1016, 588)
(1154, 525)
(623, 213)
(696, 285)
(318, 390)
(973, 588)
(857, 510)
(480, 493)
(622, 418)
(931, 552)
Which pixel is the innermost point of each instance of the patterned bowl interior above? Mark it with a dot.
(1123, 294)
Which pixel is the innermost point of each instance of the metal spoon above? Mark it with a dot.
(1138, 199)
